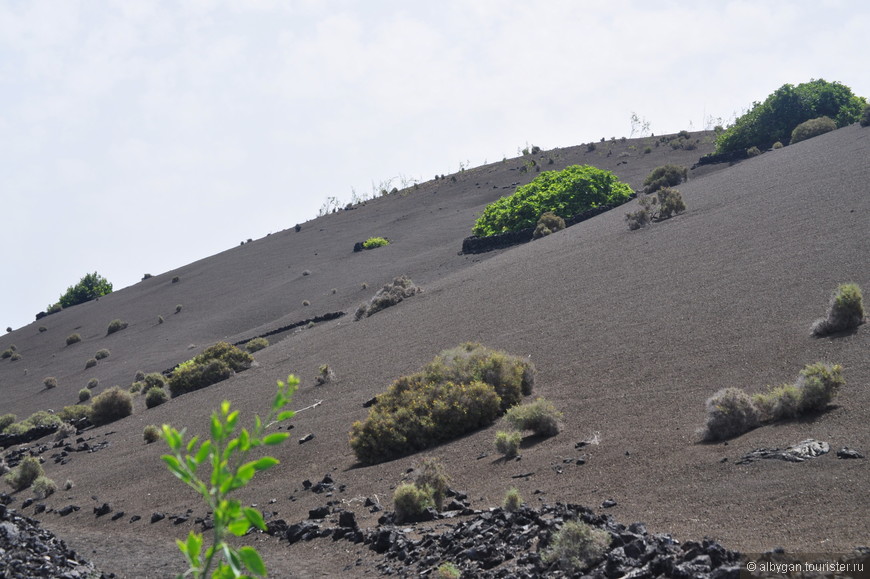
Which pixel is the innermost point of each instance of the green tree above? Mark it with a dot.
(91, 286)
(786, 108)
(229, 470)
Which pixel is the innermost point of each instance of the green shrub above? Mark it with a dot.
(152, 380)
(6, 420)
(43, 487)
(548, 223)
(845, 312)
(665, 176)
(90, 363)
(540, 416)
(178, 309)
(512, 500)
(391, 294)
(74, 413)
(576, 545)
(155, 397)
(84, 394)
(135, 387)
(373, 242)
(730, 413)
(7, 353)
(818, 384)
(54, 308)
(865, 116)
(447, 571)
(213, 365)
(777, 145)
(15, 357)
(410, 501)
(787, 107)
(90, 287)
(111, 405)
(665, 203)
(326, 375)
(431, 475)
(463, 389)
(151, 434)
(23, 475)
(256, 345)
(102, 354)
(670, 203)
(93, 383)
(567, 192)
(753, 151)
(73, 339)
(65, 431)
(50, 382)
(812, 128)
(116, 326)
(508, 443)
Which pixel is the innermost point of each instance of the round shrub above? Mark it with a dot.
(111, 405)
(151, 434)
(730, 412)
(431, 475)
(84, 394)
(411, 501)
(812, 128)
(576, 545)
(178, 309)
(6, 420)
(135, 387)
(43, 487)
(665, 176)
(508, 443)
(670, 203)
(155, 397)
(74, 413)
(845, 312)
(73, 339)
(540, 416)
(7, 353)
(50, 382)
(753, 151)
(373, 242)
(512, 500)
(391, 294)
(90, 287)
(568, 192)
(116, 326)
(777, 145)
(548, 223)
(447, 571)
(15, 357)
(90, 363)
(819, 384)
(23, 475)
(780, 403)
(102, 354)
(153, 380)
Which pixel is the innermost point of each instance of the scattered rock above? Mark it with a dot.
(609, 503)
(103, 509)
(157, 517)
(306, 438)
(318, 513)
(67, 510)
(847, 452)
(800, 452)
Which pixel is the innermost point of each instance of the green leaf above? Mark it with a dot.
(275, 438)
(286, 415)
(254, 517)
(264, 463)
(216, 428)
(252, 560)
(194, 546)
(203, 452)
(239, 527)
(192, 443)
(244, 441)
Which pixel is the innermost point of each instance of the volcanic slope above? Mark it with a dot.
(630, 332)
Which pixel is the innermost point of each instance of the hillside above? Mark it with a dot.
(631, 331)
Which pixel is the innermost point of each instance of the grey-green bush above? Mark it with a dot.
(42, 487)
(155, 397)
(576, 545)
(102, 354)
(431, 475)
(84, 394)
(111, 405)
(213, 365)
(548, 223)
(812, 128)
(819, 384)
(115, 326)
(410, 501)
(73, 339)
(540, 416)
(90, 363)
(730, 412)
(665, 176)
(256, 345)
(845, 311)
(151, 434)
(508, 442)
(50, 382)
(23, 475)
(391, 294)
(512, 500)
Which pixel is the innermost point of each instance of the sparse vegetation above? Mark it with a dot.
(753, 151)
(7, 353)
(567, 192)
(373, 242)
(447, 571)
(540, 416)
(73, 413)
(731, 411)
(116, 326)
(111, 405)
(777, 145)
(410, 501)
(665, 176)
(431, 475)
(84, 394)
(15, 357)
(325, 376)
(256, 345)
(211, 366)
(178, 309)
(665, 203)
(508, 442)
(42, 487)
(461, 390)
(90, 363)
(391, 294)
(576, 545)
(151, 434)
(512, 500)
(50, 382)
(812, 128)
(6, 420)
(73, 339)
(24, 475)
(547, 224)
(155, 397)
(845, 312)
(102, 354)
(787, 107)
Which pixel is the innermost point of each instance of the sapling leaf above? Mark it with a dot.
(252, 560)
(255, 518)
(275, 438)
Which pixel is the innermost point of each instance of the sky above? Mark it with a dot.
(140, 136)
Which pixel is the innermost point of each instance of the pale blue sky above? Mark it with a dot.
(141, 136)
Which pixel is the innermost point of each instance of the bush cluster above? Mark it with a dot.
(461, 390)
(428, 490)
(38, 419)
(787, 107)
(568, 192)
(664, 204)
(665, 176)
(576, 545)
(812, 128)
(43, 487)
(115, 326)
(24, 475)
(845, 312)
(373, 242)
(111, 405)
(731, 411)
(391, 294)
(540, 416)
(214, 364)
(256, 345)
(548, 223)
